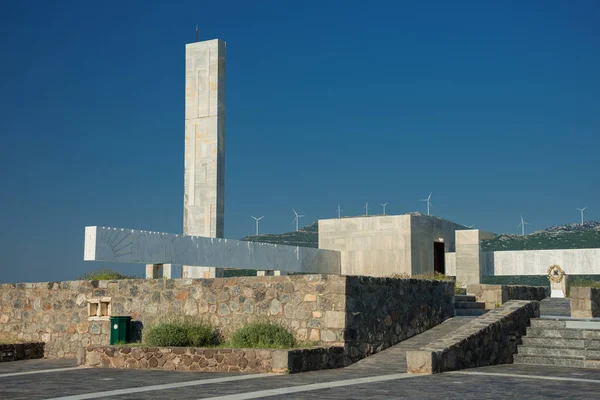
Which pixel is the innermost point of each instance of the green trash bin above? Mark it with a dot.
(120, 329)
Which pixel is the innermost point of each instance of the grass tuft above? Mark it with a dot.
(105, 274)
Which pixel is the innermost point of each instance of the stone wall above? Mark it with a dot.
(381, 312)
(495, 295)
(215, 360)
(585, 302)
(367, 314)
(21, 351)
(490, 339)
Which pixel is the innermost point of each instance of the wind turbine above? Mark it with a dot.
(296, 218)
(257, 219)
(522, 225)
(581, 209)
(367, 208)
(428, 200)
(470, 226)
(339, 212)
(383, 205)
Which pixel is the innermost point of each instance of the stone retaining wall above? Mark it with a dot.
(585, 302)
(490, 339)
(381, 312)
(215, 360)
(21, 351)
(495, 295)
(365, 314)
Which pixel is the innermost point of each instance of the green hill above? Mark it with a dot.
(307, 236)
(572, 236)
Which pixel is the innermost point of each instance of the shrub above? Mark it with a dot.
(167, 334)
(263, 335)
(105, 274)
(180, 333)
(201, 335)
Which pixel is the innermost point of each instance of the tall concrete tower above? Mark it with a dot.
(204, 177)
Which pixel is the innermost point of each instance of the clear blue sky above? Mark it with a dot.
(492, 106)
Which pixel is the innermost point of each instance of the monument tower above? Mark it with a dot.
(204, 176)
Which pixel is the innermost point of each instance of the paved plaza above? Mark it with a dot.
(61, 379)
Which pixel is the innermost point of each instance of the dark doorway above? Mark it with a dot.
(439, 259)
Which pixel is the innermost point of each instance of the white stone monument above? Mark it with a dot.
(204, 176)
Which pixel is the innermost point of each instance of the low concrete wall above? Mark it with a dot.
(495, 295)
(21, 351)
(536, 262)
(487, 340)
(585, 302)
(215, 360)
(365, 314)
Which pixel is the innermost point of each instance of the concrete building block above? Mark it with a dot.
(387, 245)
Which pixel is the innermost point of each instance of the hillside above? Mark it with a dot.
(307, 236)
(571, 236)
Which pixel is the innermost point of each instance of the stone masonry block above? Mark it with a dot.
(421, 362)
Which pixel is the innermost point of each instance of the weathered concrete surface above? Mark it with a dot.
(585, 302)
(134, 246)
(490, 339)
(217, 359)
(495, 295)
(204, 165)
(387, 245)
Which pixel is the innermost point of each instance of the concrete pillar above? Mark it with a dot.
(469, 260)
(154, 271)
(167, 271)
(204, 183)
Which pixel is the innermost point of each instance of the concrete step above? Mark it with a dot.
(552, 342)
(558, 361)
(464, 297)
(591, 354)
(592, 335)
(468, 312)
(554, 333)
(565, 324)
(550, 352)
(548, 323)
(469, 304)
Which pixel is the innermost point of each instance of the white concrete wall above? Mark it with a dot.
(451, 264)
(425, 230)
(536, 262)
(375, 246)
(204, 175)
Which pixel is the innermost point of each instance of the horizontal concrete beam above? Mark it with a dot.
(144, 247)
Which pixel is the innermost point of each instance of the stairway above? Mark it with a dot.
(565, 342)
(467, 306)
